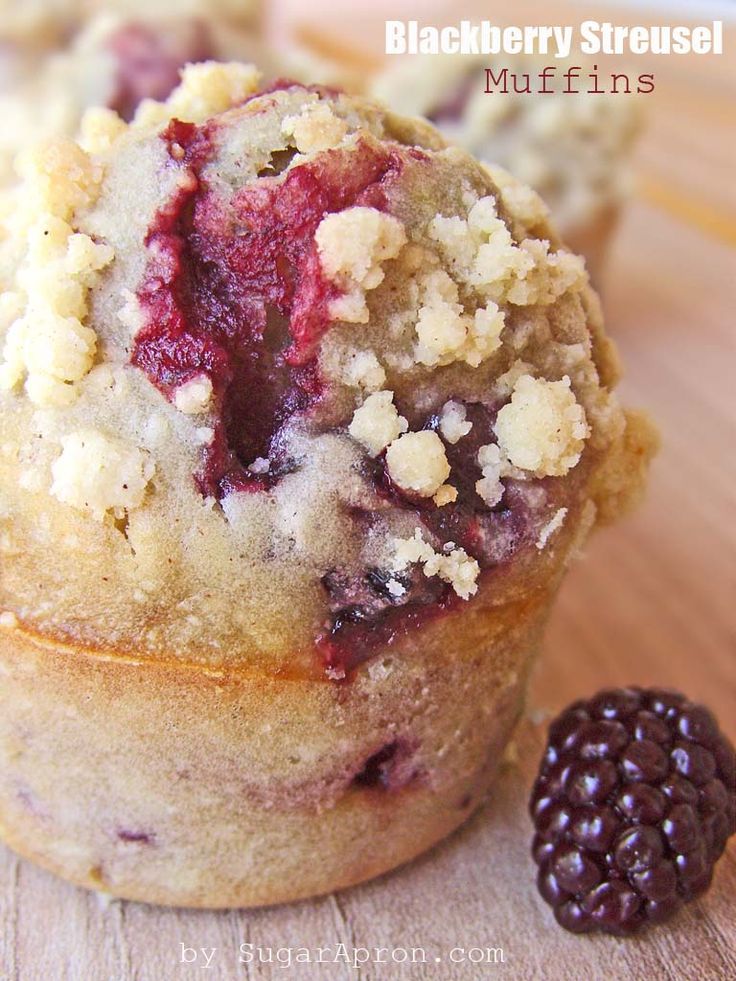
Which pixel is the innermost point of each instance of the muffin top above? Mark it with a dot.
(285, 376)
(571, 147)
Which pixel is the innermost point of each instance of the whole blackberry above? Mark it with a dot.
(634, 803)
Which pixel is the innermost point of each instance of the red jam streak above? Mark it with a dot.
(352, 637)
(149, 58)
(234, 288)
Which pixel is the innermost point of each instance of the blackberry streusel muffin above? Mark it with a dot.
(304, 414)
(50, 23)
(116, 57)
(573, 149)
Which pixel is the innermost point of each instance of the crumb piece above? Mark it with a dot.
(316, 128)
(557, 521)
(417, 462)
(260, 465)
(445, 495)
(482, 253)
(60, 178)
(48, 344)
(543, 428)
(489, 487)
(453, 422)
(206, 89)
(455, 567)
(352, 245)
(376, 423)
(100, 128)
(194, 396)
(350, 308)
(204, 435)
(395, 588)
(518, 198)
(97, 473)
(552, 275)
(364, 370)
(45, 391)
(411, 550)
(445, 332)
(8, 620)
(211, 87)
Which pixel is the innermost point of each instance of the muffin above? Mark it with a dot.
(50, 23)
(304, 414)
(36, 24)
(573, 149)
(114, 58)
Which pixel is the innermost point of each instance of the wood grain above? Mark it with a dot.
(652, 603)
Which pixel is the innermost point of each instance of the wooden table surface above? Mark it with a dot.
(653, 602)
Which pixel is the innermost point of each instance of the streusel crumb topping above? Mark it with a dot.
(554, 524)
(446, 333)
(376, 423)
(483, 254)
(49, 345)
(543, 428)
(490, 487)
(98, 473)
(353, 245)
(454, 566)
(454, 423)
(417, 462)
(206, 89)
(316, 128)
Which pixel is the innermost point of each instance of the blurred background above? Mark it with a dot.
(644, 187)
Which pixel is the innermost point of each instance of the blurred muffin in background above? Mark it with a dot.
(572, 149)
(50, 23)
(116, 59)
(37, 23)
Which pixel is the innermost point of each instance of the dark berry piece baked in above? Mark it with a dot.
(633, 805)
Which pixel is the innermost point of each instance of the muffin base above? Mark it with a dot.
(178, 784)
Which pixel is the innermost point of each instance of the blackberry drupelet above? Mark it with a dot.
(633, 805)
